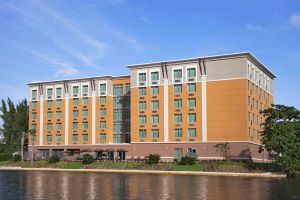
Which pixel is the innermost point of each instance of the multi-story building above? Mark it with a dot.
(172, 108)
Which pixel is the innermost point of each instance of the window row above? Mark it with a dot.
(191, 118)
(192, 132)
(191, 103)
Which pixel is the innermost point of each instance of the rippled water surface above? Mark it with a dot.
(73, 185)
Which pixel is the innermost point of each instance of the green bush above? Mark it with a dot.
(153, 159)
(186, 160)
(54, 159)
(16, 157)
(5, 156)
(87, 159)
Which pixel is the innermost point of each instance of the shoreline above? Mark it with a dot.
(201, 173)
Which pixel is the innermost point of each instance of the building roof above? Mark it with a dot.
(213, 57)
(79, 79)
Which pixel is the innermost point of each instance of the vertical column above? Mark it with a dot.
(41, 119)
(66, 118)
(204, 111)
(166, 110)
(93, 117)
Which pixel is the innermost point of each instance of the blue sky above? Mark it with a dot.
(46, 40)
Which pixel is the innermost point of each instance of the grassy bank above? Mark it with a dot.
(212, 166)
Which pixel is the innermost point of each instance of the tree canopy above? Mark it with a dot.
(15, 121)
(281, 136)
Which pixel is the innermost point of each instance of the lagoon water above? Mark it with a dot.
(75, 185)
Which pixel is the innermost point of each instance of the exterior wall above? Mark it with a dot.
(226, 110)
(230, 92)
(184, 111)
(135, 112)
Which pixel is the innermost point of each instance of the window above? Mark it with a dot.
(177, 73)
(155, 119)
(58, 114)
(34, 94)
(178, 88)
(154, 104)
(58, 138)
(85, 100)
(177, 103)
(191, 102)
(192, 117)
(192, 132)
(155, 133)
(49, 114)
(102, 124)
(34, 115)
(85, 89)
(49, 138)
(75, 90)
(102, 88)
(127, 88)
(102, 112)
(102, 100)
(33, 126)
(178, 132)
(102, 137)
(58, 92)
(118, 89)
(58, 103)
(177, 118)
(191, 87)
(142, 133)
(142, 77)
(33, 104)
(142, 119)
(75, 125)
(154, 76)
(58, 126)
(75, 113)
(49, 126)
(154, 90)
(85, 113)
(49, 103)
(75, 137)
(75, 101)
(191, 72)
(85, 125)
(142, 91)
(85, 137)
(49, 92)
(118, 114)
(142, 105)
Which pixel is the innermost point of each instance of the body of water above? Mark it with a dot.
(75, 185)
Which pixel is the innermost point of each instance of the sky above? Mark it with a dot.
(54, 39)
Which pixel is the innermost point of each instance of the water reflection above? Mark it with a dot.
(64, 185)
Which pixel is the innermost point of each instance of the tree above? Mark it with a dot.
(32, 135)
(281, 136)
(223, 148)
(15, 121)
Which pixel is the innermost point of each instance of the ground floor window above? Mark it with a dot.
(177, 154)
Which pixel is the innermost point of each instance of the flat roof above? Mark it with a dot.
(221, 56)
(79, 79)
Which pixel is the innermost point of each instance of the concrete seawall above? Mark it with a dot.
(267, 175)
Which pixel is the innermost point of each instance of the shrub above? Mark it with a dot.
(16, 157)
(54, 159)
(153, 159)
(186, 160)
(87, 159)
(5, 156)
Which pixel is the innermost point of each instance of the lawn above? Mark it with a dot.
(196, 167)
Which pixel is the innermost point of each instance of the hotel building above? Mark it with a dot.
(173, 108)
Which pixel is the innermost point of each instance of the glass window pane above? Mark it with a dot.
(191, 72)
(154, 76)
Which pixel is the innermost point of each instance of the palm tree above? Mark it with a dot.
(32, 133)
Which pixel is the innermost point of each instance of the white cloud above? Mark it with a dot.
(295, 20)
(257, 28)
